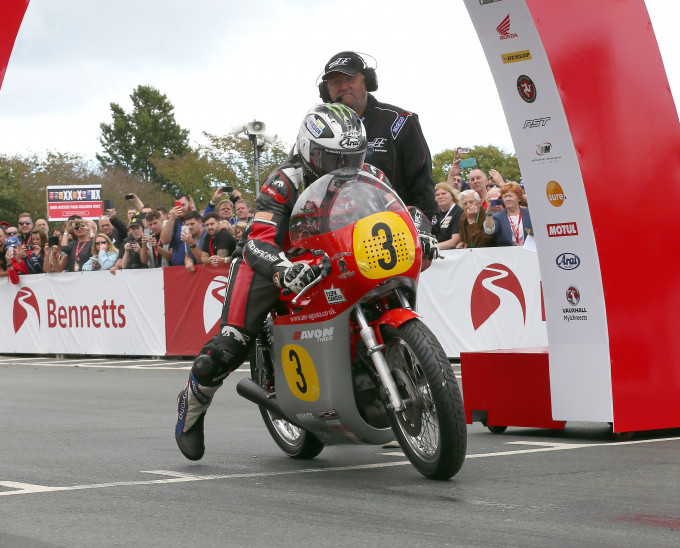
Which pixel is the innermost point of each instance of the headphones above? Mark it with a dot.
(370, 80)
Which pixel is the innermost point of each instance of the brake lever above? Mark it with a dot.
(326, 267)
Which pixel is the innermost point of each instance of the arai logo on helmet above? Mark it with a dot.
(315, 126)
(350, 139)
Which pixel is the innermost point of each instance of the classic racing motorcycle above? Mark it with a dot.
(347, 360)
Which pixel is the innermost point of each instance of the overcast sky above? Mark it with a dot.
(222, 62)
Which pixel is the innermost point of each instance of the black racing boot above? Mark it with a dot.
(192, 403)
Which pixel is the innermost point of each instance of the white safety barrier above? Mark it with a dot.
(477, 299)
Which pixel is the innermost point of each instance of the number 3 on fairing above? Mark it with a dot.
(387, 245)
(300, 372)
(293, 356)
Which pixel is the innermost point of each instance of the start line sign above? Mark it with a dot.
(83, 200)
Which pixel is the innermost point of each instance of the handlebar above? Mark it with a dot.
(326, 268)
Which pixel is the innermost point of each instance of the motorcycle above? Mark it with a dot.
(348, 360)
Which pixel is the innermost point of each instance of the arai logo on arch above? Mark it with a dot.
(555, 194)
(568, 261)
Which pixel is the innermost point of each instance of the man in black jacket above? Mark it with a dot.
(396, 144)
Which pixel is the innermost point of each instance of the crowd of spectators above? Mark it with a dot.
(482, 211)
(146, 238)
(479, 211)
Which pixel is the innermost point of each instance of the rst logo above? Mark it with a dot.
(562, 229)
(568, 261)
(536, 122)
(321, 335)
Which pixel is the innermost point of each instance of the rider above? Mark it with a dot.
(331, 136)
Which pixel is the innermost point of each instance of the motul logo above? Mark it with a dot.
(321, 335)
(562, 229)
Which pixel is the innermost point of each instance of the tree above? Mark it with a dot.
(132, 141)
(223, 161)
(488, 157)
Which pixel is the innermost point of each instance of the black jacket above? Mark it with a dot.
(399, 149)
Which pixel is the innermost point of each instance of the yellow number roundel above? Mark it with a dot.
(383, 245)
(300, 372)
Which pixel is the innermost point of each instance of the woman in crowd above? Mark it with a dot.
(104, 254)
(472, 222)
(448, 220)
(35, 257)
(238, 229)
(511, 225)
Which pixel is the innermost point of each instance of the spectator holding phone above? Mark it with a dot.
(35, 256)
(222, 203)
(447, 223)
(159, 255)
(75, 253)
(134, 253)
(219, 243)
(478, 182)
(172, 231)
(193, 236)
(511, 225)
(105, 254)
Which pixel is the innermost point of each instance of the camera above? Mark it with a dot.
(53, 240)
(129, 196)
(78, 225)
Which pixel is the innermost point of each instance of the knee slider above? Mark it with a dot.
(210, 370)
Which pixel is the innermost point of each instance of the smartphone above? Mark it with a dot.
(185, 229)
(467, 163)
(228, 189)
(53, 240)
(498, 202)
(463, 150)
(129, 196)
(108, 204)
(178, 204)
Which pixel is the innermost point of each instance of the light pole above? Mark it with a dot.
(255, 131)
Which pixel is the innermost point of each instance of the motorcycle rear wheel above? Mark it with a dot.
(431, 430)
(291, 439)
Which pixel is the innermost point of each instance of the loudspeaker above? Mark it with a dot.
(370, 80)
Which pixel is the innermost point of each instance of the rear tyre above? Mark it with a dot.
(293, 440)
(431, 430)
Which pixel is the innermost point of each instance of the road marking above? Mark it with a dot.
(19, 488)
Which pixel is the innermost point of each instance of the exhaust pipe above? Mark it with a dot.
(253, 392)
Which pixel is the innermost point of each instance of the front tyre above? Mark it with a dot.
(431, 430)
(293, 441)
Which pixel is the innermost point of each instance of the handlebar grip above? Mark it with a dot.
(286, 291)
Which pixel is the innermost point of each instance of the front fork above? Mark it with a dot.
(375, 350)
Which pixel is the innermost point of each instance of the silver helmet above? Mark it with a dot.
(331, 136)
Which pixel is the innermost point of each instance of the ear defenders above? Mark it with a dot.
(370, 80)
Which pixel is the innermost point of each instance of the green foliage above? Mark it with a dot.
(10, 195)
(224, 160)
(488, 157)
(134, 140)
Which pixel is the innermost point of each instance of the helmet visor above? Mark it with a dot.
(325, 160)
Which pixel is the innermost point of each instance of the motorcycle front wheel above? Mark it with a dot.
(431, 429)
(293, 440)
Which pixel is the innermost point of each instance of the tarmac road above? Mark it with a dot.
(87, 458)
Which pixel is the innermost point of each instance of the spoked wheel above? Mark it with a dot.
(431, 430)
(293, 440)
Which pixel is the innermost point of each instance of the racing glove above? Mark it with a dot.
(295, 277)
(429, 245)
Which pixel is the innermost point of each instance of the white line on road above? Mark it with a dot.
(180, 477)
